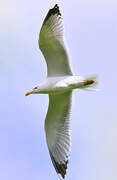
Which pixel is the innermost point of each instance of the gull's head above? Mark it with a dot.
(34, 91)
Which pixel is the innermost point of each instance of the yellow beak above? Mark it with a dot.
(28, 93)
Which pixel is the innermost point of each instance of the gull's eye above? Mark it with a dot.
(35, 88)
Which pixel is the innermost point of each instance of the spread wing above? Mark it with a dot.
(52, 44)
(57, 130)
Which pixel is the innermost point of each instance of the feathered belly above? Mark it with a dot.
(63, 84)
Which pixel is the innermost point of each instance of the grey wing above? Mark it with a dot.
(57, 130)
(52, 45)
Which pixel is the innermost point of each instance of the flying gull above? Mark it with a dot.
(59, 85)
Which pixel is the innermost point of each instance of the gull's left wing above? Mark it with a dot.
(52, 45)
(57, 130)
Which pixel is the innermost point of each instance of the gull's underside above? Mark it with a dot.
(51, 43)
(59, 85)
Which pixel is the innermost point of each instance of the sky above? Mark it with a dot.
(91, 34)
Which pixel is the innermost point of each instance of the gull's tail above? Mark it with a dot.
(90, 83)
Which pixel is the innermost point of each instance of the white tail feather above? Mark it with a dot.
(90, 83)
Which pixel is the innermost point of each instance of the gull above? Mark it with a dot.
(59, 85)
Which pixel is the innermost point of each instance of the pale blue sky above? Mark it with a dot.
(91, 33)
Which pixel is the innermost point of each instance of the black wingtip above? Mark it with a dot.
(60, 168)
(56, 10)
(53, 11)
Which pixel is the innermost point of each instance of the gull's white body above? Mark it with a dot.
(59, 85)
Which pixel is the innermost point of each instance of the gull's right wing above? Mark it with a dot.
(57, 130)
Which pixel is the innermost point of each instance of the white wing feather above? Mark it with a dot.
(52, 45)
(57, 130)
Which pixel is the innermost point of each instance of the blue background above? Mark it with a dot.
(91, 33)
